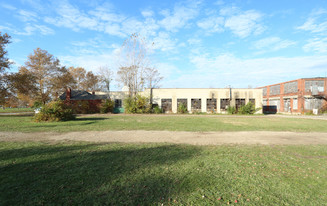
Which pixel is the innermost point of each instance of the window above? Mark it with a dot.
(252, 101)
(264, 91)
(224, 103)
(290, 87)
(239, 103)
(166, 105)
(275, 90)
(314, 84)
(118, 103)
(181, 101)
(196, 104)
(275, 102)
(311, 103)
(287, 105)
(295, 104)
(211, 105)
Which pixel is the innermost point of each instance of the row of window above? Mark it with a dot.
(309, 104)
(166, 104)
(292, 87)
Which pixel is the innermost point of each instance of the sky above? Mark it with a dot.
(193, 44)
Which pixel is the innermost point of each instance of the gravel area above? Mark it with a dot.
(194, 138)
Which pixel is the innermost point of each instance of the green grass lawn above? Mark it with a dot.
(34, 173)
(166, 122)
(16, 110)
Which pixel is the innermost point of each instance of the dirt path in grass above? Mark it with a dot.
(194, 138)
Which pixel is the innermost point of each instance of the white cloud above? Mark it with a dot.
(107, 14)
(179, 17)
(316, 45)
(31, 29)
(147, 13)
(194, 41)
(37, 4)
(272, 44)
(225, 69)
(16, 40)
(316, 23)
(167, 70)
(71, 17)
(146, 28)
(245, 23)
(6, 28)
(229, 11)
(27, 15)
(164, 42)
(102, 19)
(241, 23)
(95, 43)
(312, 26)
(219, 2)
(212, 24)
(89, 61)
(8, 6)
(113, 29)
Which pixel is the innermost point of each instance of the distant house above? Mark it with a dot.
(83, 101)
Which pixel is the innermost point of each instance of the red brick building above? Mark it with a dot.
(83, 101)
(296, 96)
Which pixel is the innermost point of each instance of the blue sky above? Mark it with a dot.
(197, 44)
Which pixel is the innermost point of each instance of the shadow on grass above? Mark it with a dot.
(7, 154)
(24, 114)
(79, 121)
(106, 174)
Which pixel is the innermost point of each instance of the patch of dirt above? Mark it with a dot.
(236, 123)
(194, 138)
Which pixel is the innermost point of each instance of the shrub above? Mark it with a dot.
(249, 108)
(107, 106)
(37, 104)
(157, 110)
(55, 111)
(309, 113)
(81, 107)
(323, 109)
(231, 110)
(137, 105)
(182, 109)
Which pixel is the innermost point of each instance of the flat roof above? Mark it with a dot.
(203, 88)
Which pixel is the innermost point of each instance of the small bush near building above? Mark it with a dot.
(54, 112)
(107, 106)
(81, 107)
(231, 110)
(182, 109)
(137, 105)
(157, 110)
(249, 108)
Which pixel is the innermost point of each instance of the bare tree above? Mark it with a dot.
(152, 78)
(106, 76)
(133, 60)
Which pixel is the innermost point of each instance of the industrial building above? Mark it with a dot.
(296, 96)
(205, 100)
(197, 100)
